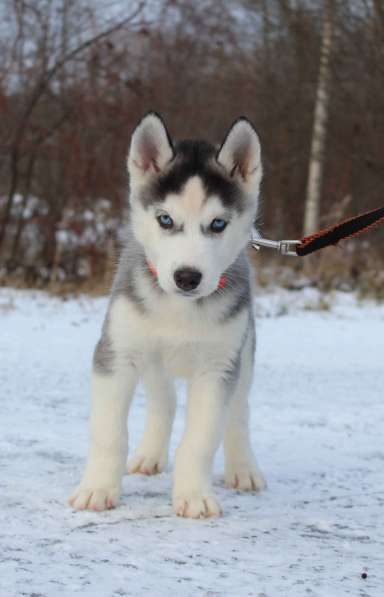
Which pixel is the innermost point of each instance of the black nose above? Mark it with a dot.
(187, 278)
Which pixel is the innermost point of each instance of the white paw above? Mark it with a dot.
(244, 478)
(94, 498)
(196, 506)
(146, 464)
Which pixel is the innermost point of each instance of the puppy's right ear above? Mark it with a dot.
(151, 148)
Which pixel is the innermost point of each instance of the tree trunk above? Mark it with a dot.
(12, 262)
(316, 163)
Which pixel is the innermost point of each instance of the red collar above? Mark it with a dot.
(152, 269)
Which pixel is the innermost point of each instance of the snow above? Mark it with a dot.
(317, 425)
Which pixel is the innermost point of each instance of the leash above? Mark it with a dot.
(326, 237)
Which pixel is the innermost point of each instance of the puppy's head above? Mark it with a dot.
(192, 205)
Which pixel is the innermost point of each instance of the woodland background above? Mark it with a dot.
(76, 75)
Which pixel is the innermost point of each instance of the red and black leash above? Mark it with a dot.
(326, 237)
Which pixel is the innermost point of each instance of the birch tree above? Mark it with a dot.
(319, 131)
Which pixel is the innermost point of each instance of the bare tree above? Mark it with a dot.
(316, 163)
(46, 75)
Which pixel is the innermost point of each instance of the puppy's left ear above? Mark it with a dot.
(240, 153)
(151, 148)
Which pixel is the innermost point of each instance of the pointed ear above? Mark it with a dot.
(151, 147)
(240, 153)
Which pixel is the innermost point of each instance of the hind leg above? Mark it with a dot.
(151, 455)
(241, 469)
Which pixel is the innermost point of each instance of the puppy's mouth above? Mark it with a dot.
(197, 293)
(188, 294)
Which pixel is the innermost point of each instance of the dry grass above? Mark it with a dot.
(354, 266)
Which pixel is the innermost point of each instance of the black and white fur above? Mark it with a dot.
(155, 331)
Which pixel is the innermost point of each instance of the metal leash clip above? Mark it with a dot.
(284, 247)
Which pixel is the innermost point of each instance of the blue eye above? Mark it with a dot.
(218, 225)
(165, 221)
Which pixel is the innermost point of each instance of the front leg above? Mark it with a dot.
(206, 414)
(112, 392)
(152, 453)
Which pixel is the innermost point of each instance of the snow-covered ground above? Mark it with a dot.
(318, 430)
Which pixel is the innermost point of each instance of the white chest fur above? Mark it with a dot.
(182, 333)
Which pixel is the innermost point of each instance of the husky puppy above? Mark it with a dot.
(180, 306)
